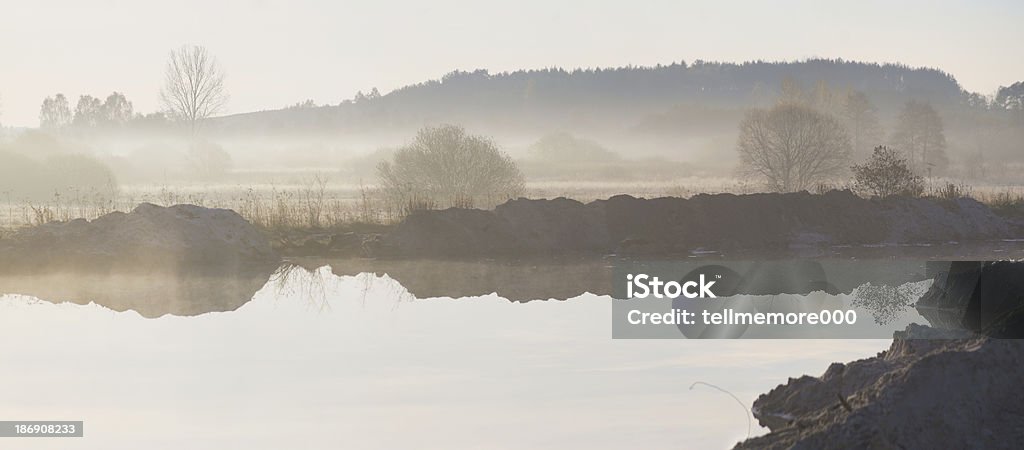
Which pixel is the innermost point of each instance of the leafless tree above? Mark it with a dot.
(117, 110)
(88, 112)
(55, 113)
(792, 146)
(193, 86)
(919, 133)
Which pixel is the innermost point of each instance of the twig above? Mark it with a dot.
(746, 411)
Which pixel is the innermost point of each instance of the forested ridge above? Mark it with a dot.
(529, 96)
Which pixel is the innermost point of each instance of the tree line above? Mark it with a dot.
(810, 137)
(89, 112)
(193, 91)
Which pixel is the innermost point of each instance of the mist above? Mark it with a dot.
(362, 214)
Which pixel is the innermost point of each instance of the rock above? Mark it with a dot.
(983, 297)
(931, 389)
(150, 237)
(954, 385)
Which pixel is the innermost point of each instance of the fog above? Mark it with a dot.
(673, 124)
(421, 214)
(312, 99)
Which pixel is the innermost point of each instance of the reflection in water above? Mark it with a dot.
(562, 278)
(151, 294)
(887, 303)
(317, 360)
(878, 286)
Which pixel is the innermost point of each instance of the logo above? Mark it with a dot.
(643, 285)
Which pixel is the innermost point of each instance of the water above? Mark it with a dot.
(319, 360)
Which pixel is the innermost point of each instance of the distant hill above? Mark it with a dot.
(623, 97)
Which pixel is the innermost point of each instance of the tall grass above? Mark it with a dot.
(311, 205)
(951, 191)
(1004, 199)
(317, 204)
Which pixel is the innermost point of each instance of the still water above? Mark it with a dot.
(320, 360)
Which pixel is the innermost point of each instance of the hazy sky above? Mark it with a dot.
(277, 53)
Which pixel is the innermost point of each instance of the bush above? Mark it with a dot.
(886, 173)
(445, 166)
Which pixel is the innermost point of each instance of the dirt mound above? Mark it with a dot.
(560, 224)
(150, 236)
(924, 220)
(931, 389)
(451, 232)
(628, 225)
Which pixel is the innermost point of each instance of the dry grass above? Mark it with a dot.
(317, 203)
(1010, 197)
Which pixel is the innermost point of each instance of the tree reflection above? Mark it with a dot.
(885, 302)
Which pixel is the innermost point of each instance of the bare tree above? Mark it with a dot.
(919, 133)
(88, 112)
(117, 110)
(792, 146)
(193, 86)
(55, 113)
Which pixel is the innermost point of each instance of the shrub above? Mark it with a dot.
(886, 173)
(445, 166)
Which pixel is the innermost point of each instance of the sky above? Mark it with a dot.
(277, 53)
